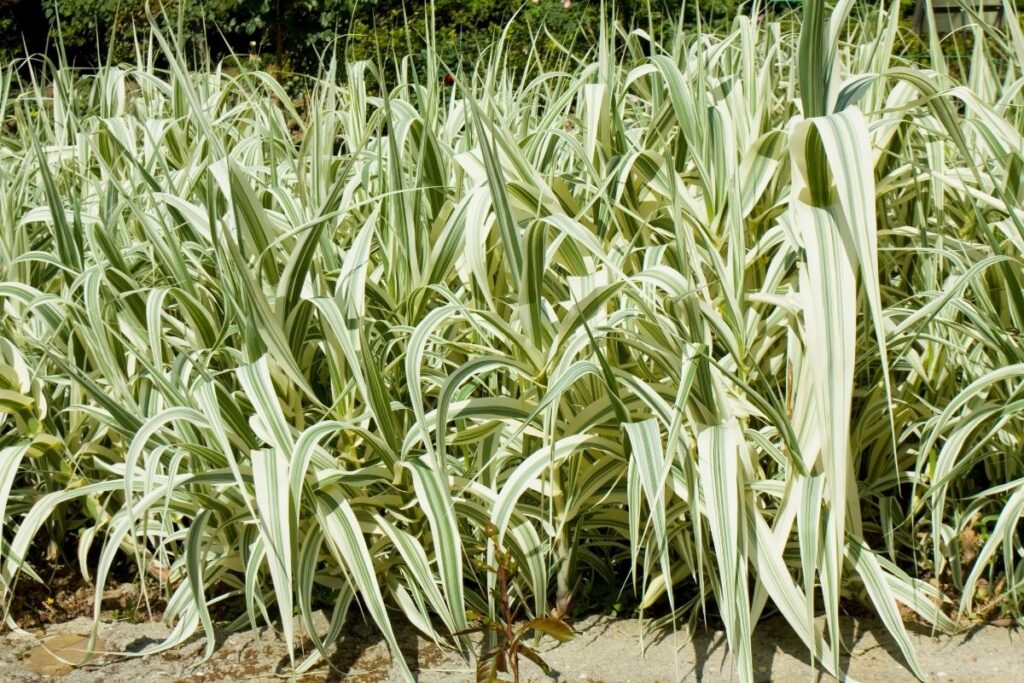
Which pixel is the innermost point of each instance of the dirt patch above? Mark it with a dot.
(605, 649)
(64, 596)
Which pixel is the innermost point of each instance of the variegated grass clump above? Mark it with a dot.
(731, 321)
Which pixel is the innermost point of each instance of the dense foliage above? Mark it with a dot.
(727, 321)
(293, 35)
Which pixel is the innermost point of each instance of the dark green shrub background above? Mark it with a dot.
(289, 33)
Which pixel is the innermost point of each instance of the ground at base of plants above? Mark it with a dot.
(605, 649)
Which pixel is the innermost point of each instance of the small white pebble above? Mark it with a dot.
(941, 674)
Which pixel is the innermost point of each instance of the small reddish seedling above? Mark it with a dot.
(502, 657)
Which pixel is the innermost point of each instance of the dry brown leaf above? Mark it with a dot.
(45, 659)
(160, 572)
(970, 542)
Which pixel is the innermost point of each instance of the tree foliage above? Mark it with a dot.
(294, 34)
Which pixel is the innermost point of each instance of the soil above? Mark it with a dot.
(605, 649)
(64, 598)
